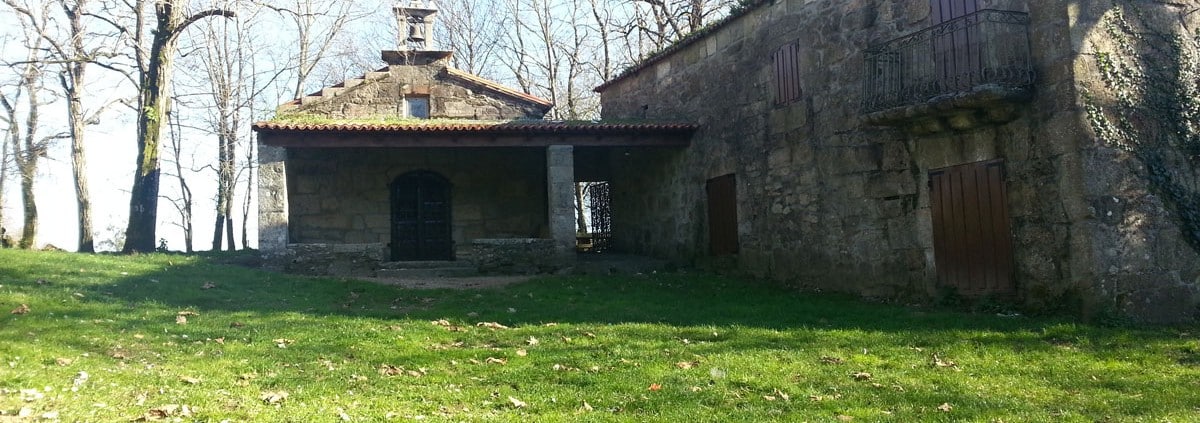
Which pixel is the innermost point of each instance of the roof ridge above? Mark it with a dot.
(496, 86)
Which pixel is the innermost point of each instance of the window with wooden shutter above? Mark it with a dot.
(786, 62)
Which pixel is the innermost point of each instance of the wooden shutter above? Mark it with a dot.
(971, 229)
(722, 215)
(786, 62)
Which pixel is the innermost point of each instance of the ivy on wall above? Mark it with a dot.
(1151, 105)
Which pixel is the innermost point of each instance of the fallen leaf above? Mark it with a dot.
(64, 362)
(493, 360)
(274, 397)
(696, 389)
(236, 325)
(167, 411)
(861, 376)
(189, 380)
(283, 342)
(945, 407)
(220, 340)
(532, 341)
(342, 415)
(180, 320)
(938, 362)
(50, 415)
(586, 407)
(491, 325)
(845, 418)
(550, 325)
(684, 365)
(832, 360)
(187, 313)
(23, 309)
(769, 397)
(208, 285)
(517, 403)
(654, 387)
(522, 353)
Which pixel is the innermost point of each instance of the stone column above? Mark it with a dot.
(560, 181)
(272, 200)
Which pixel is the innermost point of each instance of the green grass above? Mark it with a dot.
(719, 349)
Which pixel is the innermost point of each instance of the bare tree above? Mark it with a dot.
(154, 78)
(28, 147)
(318, 26)
(68, 50)
(184, 203)
(472, 29)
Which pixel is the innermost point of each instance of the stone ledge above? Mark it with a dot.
(983, 105)
(517, 256)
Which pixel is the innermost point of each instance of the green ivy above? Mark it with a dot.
(1151, 108)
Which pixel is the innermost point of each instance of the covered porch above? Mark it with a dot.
(343, 199)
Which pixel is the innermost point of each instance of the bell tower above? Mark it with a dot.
(416, 24)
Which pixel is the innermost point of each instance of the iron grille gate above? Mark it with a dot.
(600, 206)
(972, 242)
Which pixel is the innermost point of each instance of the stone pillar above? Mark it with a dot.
(272, 200)
(560, 181)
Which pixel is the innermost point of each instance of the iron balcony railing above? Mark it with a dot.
(985, 48)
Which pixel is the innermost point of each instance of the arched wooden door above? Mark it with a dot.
(421, 219)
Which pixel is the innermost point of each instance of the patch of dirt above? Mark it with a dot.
(474, 282)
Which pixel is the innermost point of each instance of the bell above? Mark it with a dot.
(416, 31)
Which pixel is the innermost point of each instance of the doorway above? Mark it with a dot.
(972, 240)
(421, 218)
(722, 215)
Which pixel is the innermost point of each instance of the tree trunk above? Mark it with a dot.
(580, 221)
(87, 242)
(28, 172)
(155, 104)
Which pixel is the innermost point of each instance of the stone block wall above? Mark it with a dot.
(341, 196)
(450, 97)
(827, 201)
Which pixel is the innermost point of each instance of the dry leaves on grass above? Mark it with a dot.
(654, 387)
(189, 380)
(492, 325)
(166, 412)
(273, 397)
(861, 376)
(832, 360)
(283, 342)
(517, 403)
(532, 341)
(685, 365)
(449, 326)
(208, 285)
(945, 407)
(23, 309)
(939, 362)
(494, 360)
(390, 370)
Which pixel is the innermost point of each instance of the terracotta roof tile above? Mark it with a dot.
(518, 127)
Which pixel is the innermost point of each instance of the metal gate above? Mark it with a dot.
(722, 215)
(600, 207)
(421, 219)
(972, 242)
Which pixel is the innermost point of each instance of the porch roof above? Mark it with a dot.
(474, 134)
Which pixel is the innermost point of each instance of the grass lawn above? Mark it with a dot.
(180, 338)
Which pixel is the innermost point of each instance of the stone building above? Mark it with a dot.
(904, 149)
(420, 162)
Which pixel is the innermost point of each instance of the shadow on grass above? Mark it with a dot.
(688, 300)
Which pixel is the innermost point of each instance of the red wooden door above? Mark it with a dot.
(956, 51)
(722, 215)
(971, 229)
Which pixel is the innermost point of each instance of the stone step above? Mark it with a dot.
(428, 272)
(429, 264)
(331, 91)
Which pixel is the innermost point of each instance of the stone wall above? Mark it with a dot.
(1139, 260)
(825, 200)
(450, 97)
(341, 196)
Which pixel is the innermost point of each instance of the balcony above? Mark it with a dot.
(964, 73)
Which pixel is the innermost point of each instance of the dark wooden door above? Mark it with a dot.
(722, 215)
(956, 50)
(972, 242)
(421, 220)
